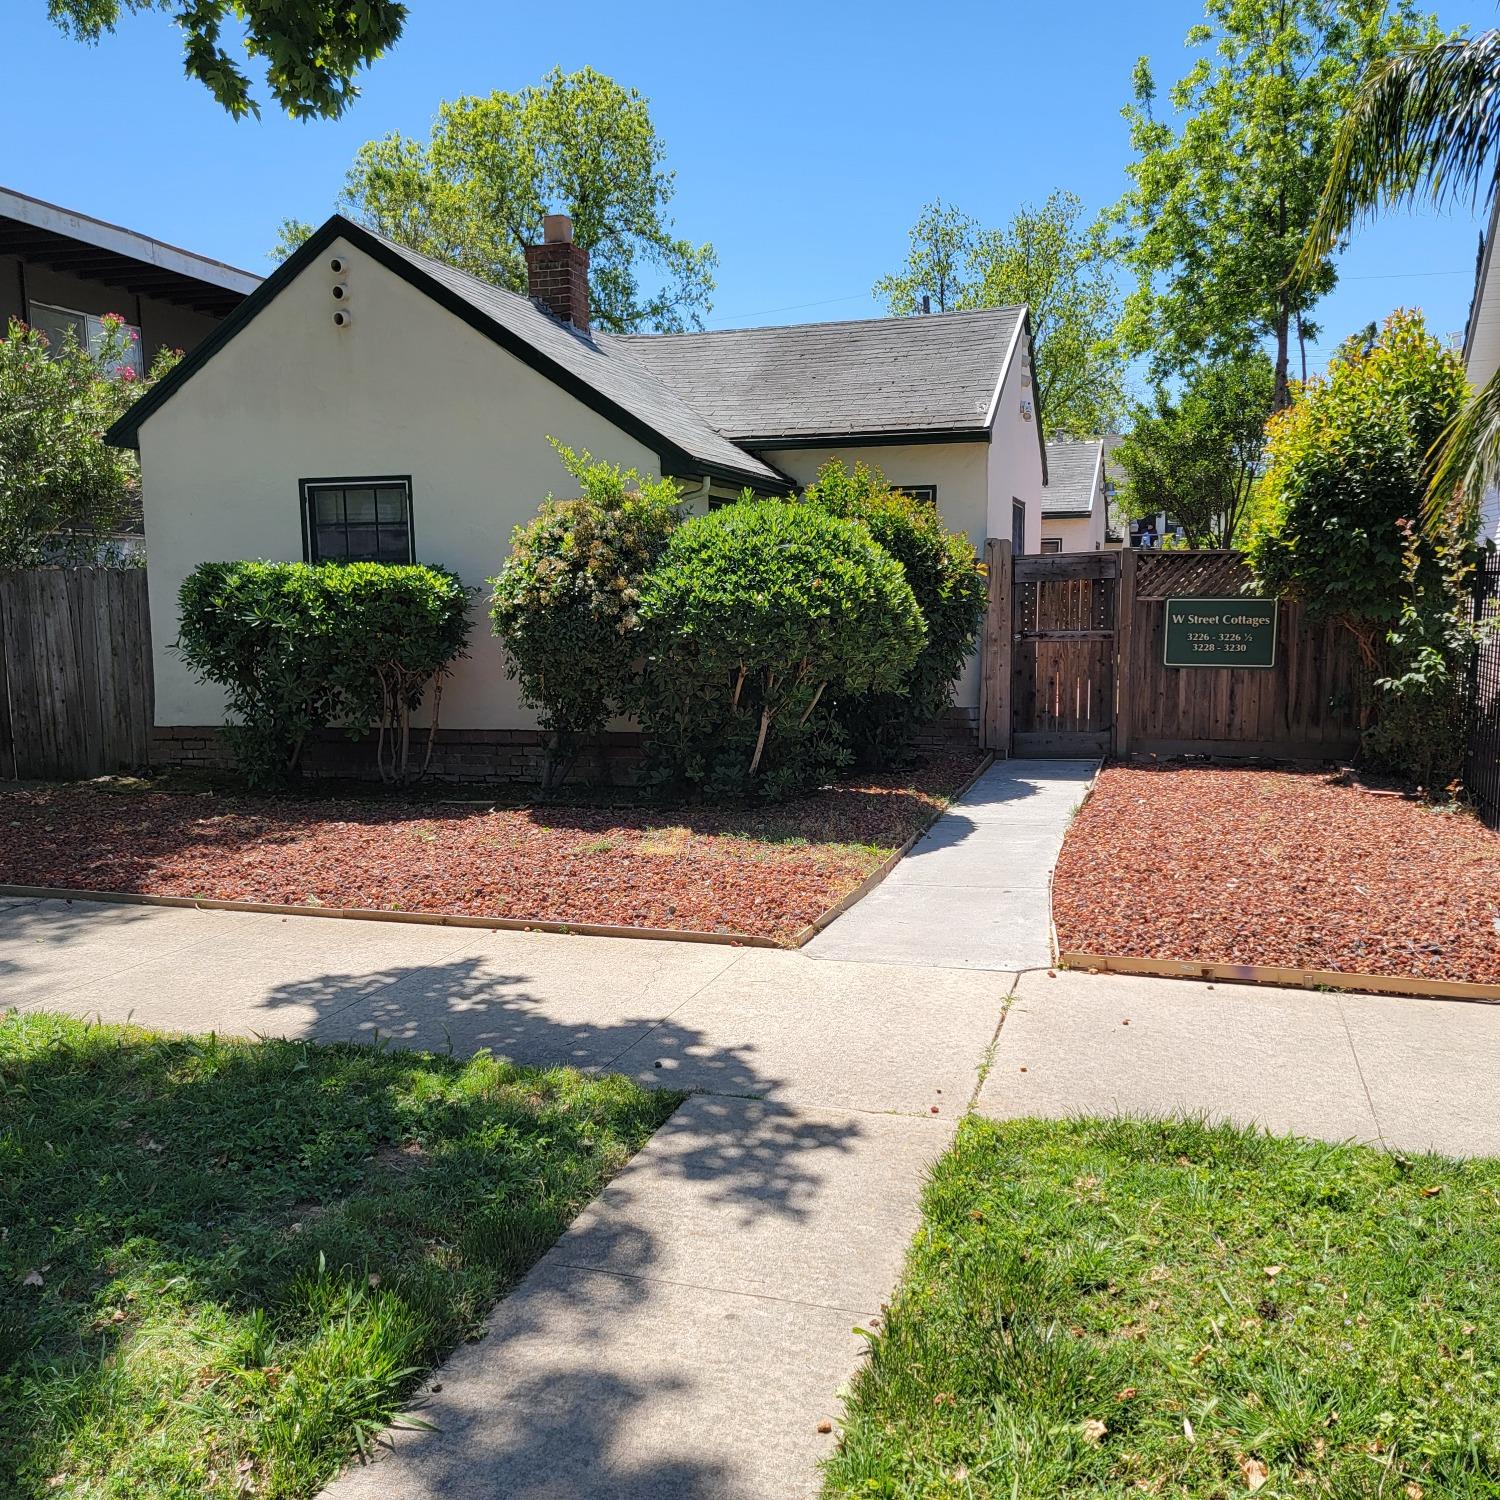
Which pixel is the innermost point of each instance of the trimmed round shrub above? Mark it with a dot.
(300, 647)
(566, 604)
(758, 616)
(948, 580)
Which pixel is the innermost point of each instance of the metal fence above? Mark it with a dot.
(1482, 772)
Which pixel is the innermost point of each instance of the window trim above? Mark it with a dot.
(305, 488)
(927, 493)
(1052, 545)
(1017, 513)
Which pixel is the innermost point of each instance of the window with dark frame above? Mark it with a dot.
(1017, 527)
(1051, 544)
(357, 520)
(927, 492)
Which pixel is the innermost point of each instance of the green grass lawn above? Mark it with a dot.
(224, 1265)
(1122, 1308)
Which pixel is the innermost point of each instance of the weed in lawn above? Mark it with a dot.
(1100, 1308)
(225, 1265)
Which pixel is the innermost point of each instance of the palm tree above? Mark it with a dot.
(1424, 125)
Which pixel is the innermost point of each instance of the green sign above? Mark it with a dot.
(1221, 633)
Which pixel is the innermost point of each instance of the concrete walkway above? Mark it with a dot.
(1410, 1075)
(691, 1330)
(687, 1335)
(975, 892)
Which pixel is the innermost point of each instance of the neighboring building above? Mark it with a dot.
(1075, 501)
(367, 401)
(1482, 348)
(62, 270)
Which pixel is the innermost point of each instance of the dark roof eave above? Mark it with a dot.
(862, 439)
(1066, 515)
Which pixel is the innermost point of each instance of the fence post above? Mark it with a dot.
(995, 658)
(1124, 653)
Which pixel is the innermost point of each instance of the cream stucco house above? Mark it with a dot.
(1482, 350)
(1075, 502)
(367, 401)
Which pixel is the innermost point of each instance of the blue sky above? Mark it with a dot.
(805, 136)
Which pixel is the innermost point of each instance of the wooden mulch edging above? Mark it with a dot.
(372, 914)
(1270, 974)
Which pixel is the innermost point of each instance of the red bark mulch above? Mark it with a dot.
(1301, 869)
(764, 872)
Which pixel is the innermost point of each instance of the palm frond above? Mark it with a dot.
(1424, 123)
(1468, 460)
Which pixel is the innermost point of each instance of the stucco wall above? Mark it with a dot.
(162, 324)
(1015, 457)
(1077, 533)
(407, 389)
(959, 470)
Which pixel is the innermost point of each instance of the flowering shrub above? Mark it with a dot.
(566, 604)
(63, 490)
(758, 616)
(299, 647)
(948, 580)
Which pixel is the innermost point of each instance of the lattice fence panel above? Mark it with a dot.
(1202, 575)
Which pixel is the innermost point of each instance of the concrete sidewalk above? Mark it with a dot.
(1410, 1075)
(689, 1332)
(975, 892)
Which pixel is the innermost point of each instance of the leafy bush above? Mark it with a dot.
(1346, 463)
(566, 603)
(1348, 469)
(299, 647)
(948, 581)
(63, 489)
(756, 614)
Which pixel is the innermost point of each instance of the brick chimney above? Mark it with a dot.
(557, 272)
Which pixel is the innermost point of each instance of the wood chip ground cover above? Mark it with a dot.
(1302, 869)
(764, 872)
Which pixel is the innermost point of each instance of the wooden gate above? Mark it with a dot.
(1048, 684)
(1063, 653)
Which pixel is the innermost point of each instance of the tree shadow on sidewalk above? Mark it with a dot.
(554, 1400)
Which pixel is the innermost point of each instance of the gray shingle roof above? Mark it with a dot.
(879, 376)
(1072, 477)
(608, 365)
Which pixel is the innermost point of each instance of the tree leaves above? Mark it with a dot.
(474, 195)
(312, 48)
(1059, 267)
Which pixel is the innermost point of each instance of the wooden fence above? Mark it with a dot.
(75, 672)
(1075, 664)
(1305, 707)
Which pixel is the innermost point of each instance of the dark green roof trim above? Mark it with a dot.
(675, 462)
(762, 445)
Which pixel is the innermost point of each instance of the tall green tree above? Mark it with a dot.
(1049, 258)
(1226, 186)
(1424, 125)
(1197, 454)
(474, 194)
(312, 48)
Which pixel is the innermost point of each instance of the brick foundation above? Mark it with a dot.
(477, 756)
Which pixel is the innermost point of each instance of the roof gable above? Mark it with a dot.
(1074, 471)
(934, 377)
(598, 372)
